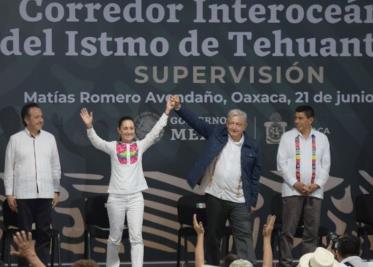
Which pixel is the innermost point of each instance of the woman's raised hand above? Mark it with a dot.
(87, 117)
(170, 105)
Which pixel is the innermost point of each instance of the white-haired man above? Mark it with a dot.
(229, 167)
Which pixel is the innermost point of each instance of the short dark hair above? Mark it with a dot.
(229, 259)
(26, 111)
(348, 245)
(125, 118)
(307, 110)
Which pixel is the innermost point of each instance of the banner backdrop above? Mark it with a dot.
(125, 57)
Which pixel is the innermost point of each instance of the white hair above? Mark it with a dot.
(237, 113)
(241, 263)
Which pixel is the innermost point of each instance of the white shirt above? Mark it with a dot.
(127, 175)
(286, 162)
(356, 261)
(32, 166)
(226, 181)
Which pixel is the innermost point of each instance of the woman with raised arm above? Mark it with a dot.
(127, 182)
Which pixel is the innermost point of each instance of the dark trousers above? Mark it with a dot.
(292, 208)
(238, 214)
(38, 211)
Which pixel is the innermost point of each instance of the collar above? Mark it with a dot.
(30, 135)
(223, 135)
(298, 133)
(353, 258)
(123, 143)
(239, 143)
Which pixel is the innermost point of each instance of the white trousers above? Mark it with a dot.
(118, 207)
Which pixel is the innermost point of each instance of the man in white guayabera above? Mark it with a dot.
(32, 178)
(303, 160)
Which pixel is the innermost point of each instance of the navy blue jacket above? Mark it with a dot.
(217, 137)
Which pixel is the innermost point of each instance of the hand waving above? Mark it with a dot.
(87, 117)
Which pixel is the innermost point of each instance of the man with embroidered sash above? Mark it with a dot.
(303, 159)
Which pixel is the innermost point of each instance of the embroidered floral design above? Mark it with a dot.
(133, 153)
(123, 154)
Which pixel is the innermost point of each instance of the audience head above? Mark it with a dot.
(241, 263)
(321, 257)
(229, 259)
(347, 246)
(232, 260)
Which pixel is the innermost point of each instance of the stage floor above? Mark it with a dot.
(173, 264)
